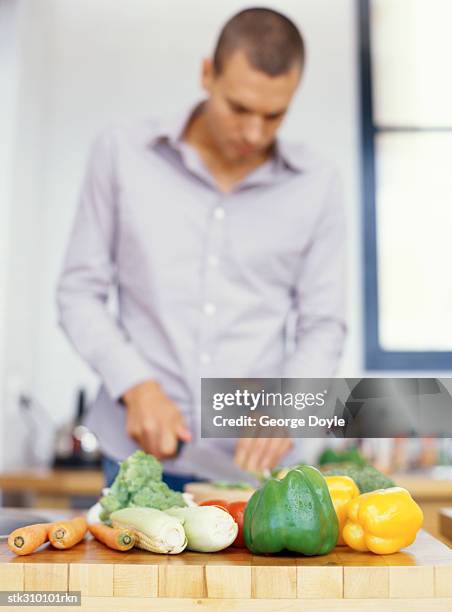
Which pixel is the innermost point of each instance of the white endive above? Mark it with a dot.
(93, 514)
(155, 530)
(208, 529)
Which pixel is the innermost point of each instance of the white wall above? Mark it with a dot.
(84, 64)
(9, 18)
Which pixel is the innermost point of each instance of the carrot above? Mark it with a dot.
(118, 539)
(26, 540)
(65, 534)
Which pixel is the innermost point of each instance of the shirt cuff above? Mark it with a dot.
(122, 369)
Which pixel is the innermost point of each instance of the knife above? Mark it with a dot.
(213, 463)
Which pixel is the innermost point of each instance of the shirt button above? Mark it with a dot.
(205, 358)
(209, 309)
(218, 213)
(213, 261)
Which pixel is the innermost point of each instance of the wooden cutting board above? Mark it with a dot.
(445, 523)
(423, 570)
(203, 491)
(422, 488)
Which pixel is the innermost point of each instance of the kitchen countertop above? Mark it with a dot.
(422, 572)
(424, 486)
(91, 482)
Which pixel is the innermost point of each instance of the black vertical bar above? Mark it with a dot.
(369, 229)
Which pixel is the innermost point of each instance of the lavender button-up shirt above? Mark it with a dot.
(248, 283)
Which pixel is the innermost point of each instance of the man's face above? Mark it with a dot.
(245, 106)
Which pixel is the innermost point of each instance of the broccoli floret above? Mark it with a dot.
(139, 483)
(367, 478)
(175, 499)
(225, 484)
(146, 495)
(350, 455)
(370, 479)
(138, 469)
(110, 503)
(157, 495)
(120, 491)
(104, 516)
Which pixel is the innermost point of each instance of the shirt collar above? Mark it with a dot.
(171, 130)
(292, 154)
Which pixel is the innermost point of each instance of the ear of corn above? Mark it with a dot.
(157, 545)
(152, 529)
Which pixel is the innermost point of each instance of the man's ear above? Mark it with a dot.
(207, 74)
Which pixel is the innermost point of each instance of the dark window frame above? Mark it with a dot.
(376, 358)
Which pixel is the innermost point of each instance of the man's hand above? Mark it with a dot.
(259, 454)
(153, 420)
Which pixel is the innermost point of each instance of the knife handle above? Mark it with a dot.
(180, 446)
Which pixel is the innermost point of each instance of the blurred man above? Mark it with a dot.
(213, 232)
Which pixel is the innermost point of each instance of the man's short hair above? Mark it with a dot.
(272, 42)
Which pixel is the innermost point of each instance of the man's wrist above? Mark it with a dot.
(147, 387)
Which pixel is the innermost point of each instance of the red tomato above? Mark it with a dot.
(236, 510)
(219, 503)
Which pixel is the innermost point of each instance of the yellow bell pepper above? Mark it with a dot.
(382, 521)
(342, 489)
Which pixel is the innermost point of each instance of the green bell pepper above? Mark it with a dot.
(295, 513)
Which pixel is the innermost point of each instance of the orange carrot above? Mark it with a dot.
(65, 534)
(26, 540)
(117, 539)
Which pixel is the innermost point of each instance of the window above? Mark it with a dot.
(406, 92)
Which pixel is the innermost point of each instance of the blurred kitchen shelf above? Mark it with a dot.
(51, 488)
